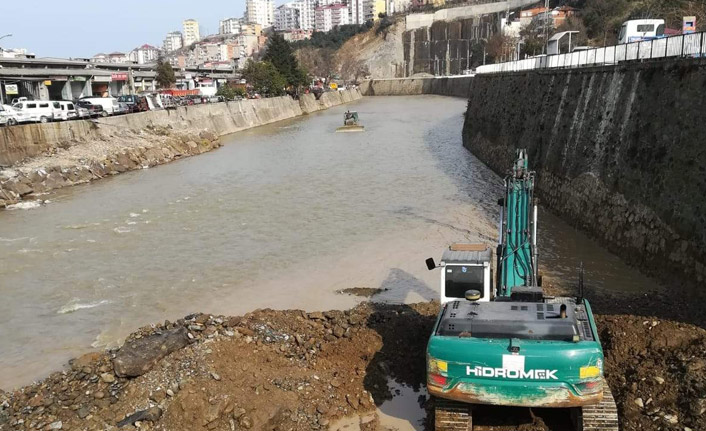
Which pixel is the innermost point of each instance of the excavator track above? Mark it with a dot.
(599, 417)
(456, 416)
(452, 415)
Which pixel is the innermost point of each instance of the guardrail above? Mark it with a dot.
(687, 45)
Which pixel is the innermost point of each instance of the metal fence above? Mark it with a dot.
(687, 45)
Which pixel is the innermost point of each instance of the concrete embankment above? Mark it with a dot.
(617, 151)
(456, 86)
(41, 157)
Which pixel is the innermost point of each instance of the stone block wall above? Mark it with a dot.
(619, 152)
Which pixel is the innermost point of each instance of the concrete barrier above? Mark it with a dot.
(455, 86)
(20, 142)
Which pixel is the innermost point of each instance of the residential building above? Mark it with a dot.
(260, 12)
(306, 13)
(510, 28)
(229, 26)
(173, 41)
(527, 15)
(117, 57)
(328, 17)
(287, 17)
(398, 6)
(100, 58)
(373, 9)
(356, 11)
(251, 29)
(191, 31)
(294, 35)
(561, 13)
(249, 44)
(144, 54)
(15, 53)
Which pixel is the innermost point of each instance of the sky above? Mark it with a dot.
(83, 28)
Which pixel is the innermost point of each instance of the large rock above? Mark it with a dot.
(152, 415)
(137, 357)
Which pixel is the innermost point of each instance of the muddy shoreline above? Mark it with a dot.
(296, 370)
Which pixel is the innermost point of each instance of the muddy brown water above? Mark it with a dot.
(283, 216)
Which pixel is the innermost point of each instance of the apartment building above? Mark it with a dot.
(191, 31)
(330, 16)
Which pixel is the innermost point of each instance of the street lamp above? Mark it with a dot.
(1, 38)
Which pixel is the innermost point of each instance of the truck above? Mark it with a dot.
(500, 340)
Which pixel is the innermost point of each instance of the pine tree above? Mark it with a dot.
(280, 55)
(264, 78)
(165, 74)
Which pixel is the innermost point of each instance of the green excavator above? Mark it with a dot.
(507, 343)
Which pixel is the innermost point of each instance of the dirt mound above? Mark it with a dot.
(657, 372)
(293, 370)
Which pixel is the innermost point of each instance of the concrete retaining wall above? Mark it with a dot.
(619, 152)
(20, 142)
(457, 86)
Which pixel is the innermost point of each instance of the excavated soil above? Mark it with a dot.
(291, 370)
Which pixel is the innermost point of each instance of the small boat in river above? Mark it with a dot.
(350, 123)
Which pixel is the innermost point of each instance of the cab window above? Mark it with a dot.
(460, 278)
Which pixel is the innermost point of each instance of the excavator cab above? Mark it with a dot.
(465, 268)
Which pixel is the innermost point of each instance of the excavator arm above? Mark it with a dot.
(517, 246)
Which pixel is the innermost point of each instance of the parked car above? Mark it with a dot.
(65, 110)
(134, 103)
(9, 116)
(37, 110)
(110, 104)
(89, 110)
(122, 108)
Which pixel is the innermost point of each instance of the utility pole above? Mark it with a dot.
(546, 23)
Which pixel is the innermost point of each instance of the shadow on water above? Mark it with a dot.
(404, 331)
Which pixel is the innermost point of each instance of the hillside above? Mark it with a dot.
(377, 52)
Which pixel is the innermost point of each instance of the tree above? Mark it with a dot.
(230, 92)
(279, 53)
(333, 39)
(264, 78)
(165, 74)
(499, 48)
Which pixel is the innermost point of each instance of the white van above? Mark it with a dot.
(110, 104)
(637, 30)
(37, 110)
(65, 110)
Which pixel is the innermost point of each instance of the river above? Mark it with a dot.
(282, 216)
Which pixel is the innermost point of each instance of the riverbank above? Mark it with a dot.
(43, 157)
(296, 370)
